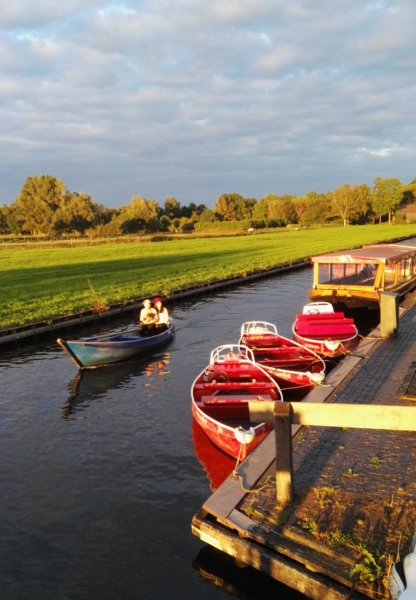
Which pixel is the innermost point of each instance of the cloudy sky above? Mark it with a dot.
(194, 98)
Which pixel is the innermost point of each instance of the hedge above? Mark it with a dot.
(255, 224)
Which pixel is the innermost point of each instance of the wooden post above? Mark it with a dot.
(284, 461)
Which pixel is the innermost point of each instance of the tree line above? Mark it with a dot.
(46, 207)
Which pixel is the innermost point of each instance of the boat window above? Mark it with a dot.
(389, 276)
(347, 274)
(404, 271)
(414, 265)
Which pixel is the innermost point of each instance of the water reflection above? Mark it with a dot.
(93, 384)
(216, 463)
(220, 570)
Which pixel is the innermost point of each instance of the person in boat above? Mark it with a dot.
(148, 319)
(163, 316)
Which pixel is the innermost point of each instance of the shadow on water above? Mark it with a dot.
(220, 570)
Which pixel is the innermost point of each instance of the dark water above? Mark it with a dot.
(99, 473)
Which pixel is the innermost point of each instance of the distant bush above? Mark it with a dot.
(188, 227)
(246, 224)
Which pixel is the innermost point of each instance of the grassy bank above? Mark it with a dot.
(42, 283)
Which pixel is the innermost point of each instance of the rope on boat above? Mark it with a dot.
(235, 474)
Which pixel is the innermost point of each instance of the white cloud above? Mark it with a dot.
(192, 98)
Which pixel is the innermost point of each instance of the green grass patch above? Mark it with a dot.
(38, 284)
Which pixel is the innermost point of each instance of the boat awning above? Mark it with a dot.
(381, 253)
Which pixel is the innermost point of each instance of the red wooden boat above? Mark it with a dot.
(220, 396)
(289, 363)
(324, 331)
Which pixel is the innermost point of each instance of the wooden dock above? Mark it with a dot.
(312, 542)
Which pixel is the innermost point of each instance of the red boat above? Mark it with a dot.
(220, 396)
(324, 331)
(289, 363)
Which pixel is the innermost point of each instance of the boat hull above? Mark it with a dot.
(323, 347)
(292, 380)
(223, 437)
(95, 352)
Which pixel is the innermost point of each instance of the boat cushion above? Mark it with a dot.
(337, 315)
(329, 330)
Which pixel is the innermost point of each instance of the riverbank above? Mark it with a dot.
(41, 284)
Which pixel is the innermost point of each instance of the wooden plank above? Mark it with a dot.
(313, 559)
(294, 533)
(313, 585)
(229, 494)
(356, 416)
(284, 456)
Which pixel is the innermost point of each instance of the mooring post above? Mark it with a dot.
(284, 460)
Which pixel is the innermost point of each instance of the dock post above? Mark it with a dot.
(389, 314)
(284, 460)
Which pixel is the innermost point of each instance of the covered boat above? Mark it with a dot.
(292, 365)
(324, 331)
(220, 396)
(106, 349)
(356, 278)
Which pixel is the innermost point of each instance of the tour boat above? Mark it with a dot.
(356, 278)
(292, 365)
(324, 331)
(220, 396)
(106, 349)
(402, 578)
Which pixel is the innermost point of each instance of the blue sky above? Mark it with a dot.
(193, 99)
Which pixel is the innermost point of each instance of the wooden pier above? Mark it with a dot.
(348, 485)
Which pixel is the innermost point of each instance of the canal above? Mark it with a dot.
(101, 472)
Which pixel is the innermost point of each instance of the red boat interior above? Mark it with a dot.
(280, 353)
(224, 389)
(324, 326)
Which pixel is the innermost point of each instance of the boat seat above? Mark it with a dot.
(241, 399)
(326, 330)
(312, 317)
(330, 322)
(235, 385)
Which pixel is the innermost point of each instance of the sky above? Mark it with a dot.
(192, 98)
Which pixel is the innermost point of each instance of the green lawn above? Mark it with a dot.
(39, 284)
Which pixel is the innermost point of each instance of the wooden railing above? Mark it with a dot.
(358, 416)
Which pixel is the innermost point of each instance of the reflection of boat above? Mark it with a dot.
(216, 464)
(324, 331)
(220, 396)
(91, 384)
(114, 348)
(289, 363)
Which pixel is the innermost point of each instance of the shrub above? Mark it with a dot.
(188, 227)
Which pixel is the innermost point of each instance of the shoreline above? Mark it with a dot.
(65, 321)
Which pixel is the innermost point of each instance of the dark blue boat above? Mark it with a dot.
(106, 349)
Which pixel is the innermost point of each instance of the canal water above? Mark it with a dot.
(102, 471)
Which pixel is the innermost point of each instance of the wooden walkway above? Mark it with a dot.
(359, 483)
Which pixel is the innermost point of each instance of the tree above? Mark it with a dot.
(224, 207)
(39, 199)
(386, 196)
(260, 210)
(208, 216)
(172, 208)
(4, 214)
(347, 203)
(317, 209)
(300, 205)
(164, 223)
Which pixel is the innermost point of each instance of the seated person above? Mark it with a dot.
(163, 316)
(148, 319)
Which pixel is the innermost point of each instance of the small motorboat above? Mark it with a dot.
(402, 578)
(99, 351)
(220, 396)
(324, 331)
(289, 363)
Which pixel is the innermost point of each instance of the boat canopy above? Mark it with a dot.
(380, 253)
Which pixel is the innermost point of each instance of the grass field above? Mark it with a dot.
(39, 284)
